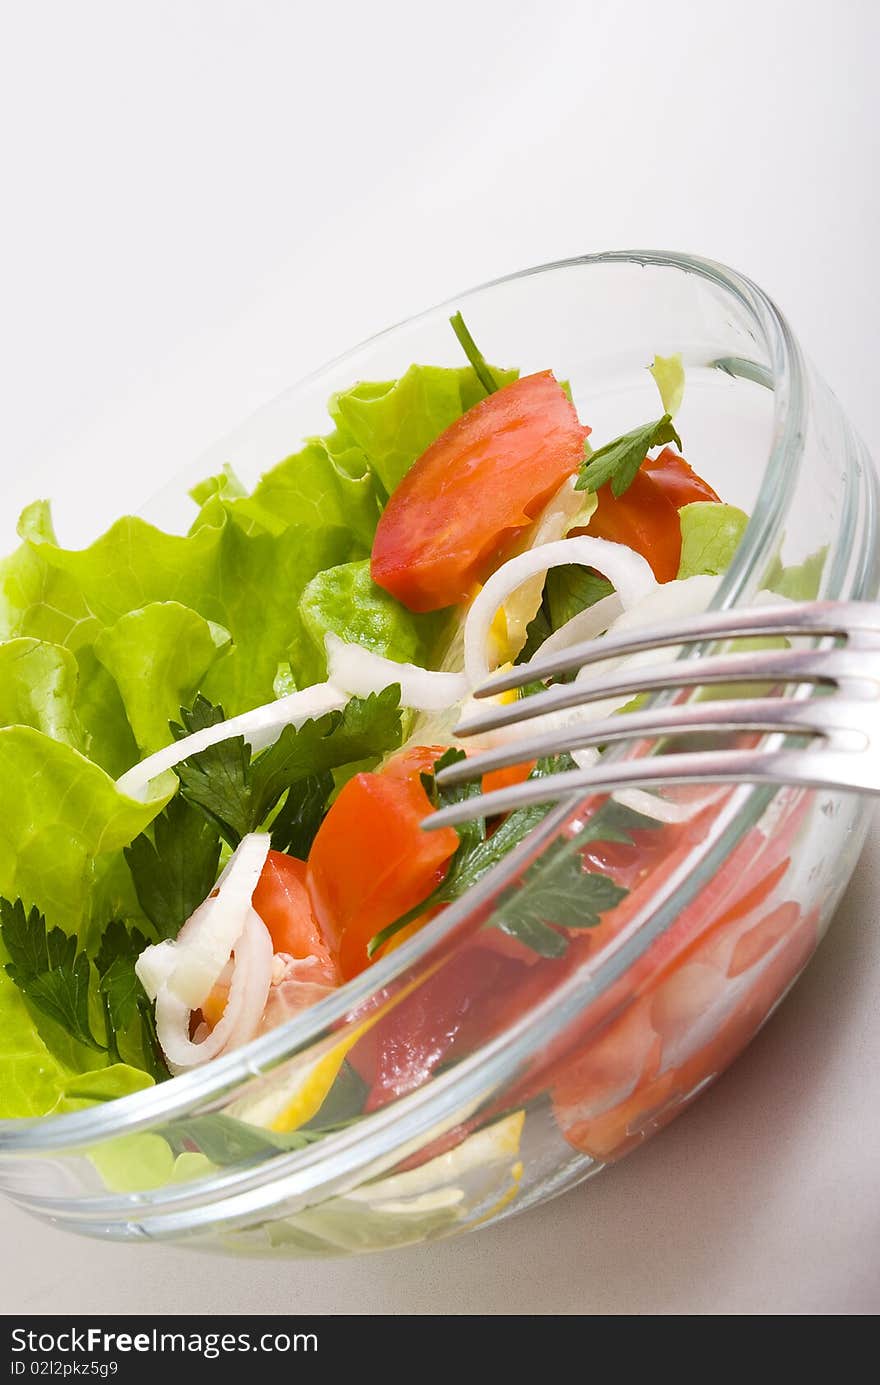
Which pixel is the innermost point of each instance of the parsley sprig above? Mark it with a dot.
(174, 867)
(46, 964)
(56, 976)
(237, 792)
(557, 891)
(124, 999)
(619, 461)
(296, 823)
(568, 590)
(481, 368)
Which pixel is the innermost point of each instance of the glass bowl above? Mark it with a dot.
(464, 1078)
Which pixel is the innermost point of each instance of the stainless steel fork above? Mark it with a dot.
(829, 695)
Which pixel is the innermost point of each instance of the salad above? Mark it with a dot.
(217, 750)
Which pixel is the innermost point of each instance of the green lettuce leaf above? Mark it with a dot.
(345, 601)
(59, 815)
(108, 738)
(316, 488)
(68, 596)
(158, 657)
(62, 826)
(668, 373)
(102, 1084)
(263, 577)
(247, 583)
(32, 1077)
(710, 534)
(69, 697)
(226, 484)
(396, 420)
(134, 1163)
(801, 581)
(38, 687)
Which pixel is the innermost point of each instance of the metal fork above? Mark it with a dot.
(841, 728)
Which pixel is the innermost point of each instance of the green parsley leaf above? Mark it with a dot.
(562, 894)
(559, 891)
(567, 591)
(365, 726)
(538, 630)
(238, 793)
(46, 966)
(619, 461)
(474, 354)
(115, 959)
(570, 590)
(124, 998)
(556, 892)
(226, 1140)
(296, 823)
(175, 869)
(477, 853)
(216, 780)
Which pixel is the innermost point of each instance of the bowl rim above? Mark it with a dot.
(125, 1115)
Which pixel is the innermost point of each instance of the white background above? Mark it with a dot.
(201, 201)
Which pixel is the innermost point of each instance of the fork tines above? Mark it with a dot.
(831, 721)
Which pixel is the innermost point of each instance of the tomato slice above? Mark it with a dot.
(371, 862)
(282, 901)
(645, 517)
(678, 481)
(431, 1024)
(460, 506)
(507, 777)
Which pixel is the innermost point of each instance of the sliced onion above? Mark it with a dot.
(565, 510)
(687, 596)
(155, 965)
(652, 805)
(240, 1021)
(359, 671)
(260, 728)
(586, 625)
(629, 572)
(190, 966)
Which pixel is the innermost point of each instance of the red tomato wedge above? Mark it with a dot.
(678, 481)
(282, 901)
(645, 517)
(461, 505)
(371, 862)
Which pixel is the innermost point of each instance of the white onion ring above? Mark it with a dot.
(586, 625)
(190, 967)
(683, 597)
(566, 509)
(259, 727)
(630, 573)
(686, 596)
(240, 1021)
(652, 805)
(360, 672)
(155, 965)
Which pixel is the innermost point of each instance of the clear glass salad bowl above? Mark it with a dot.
(559, 1065)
